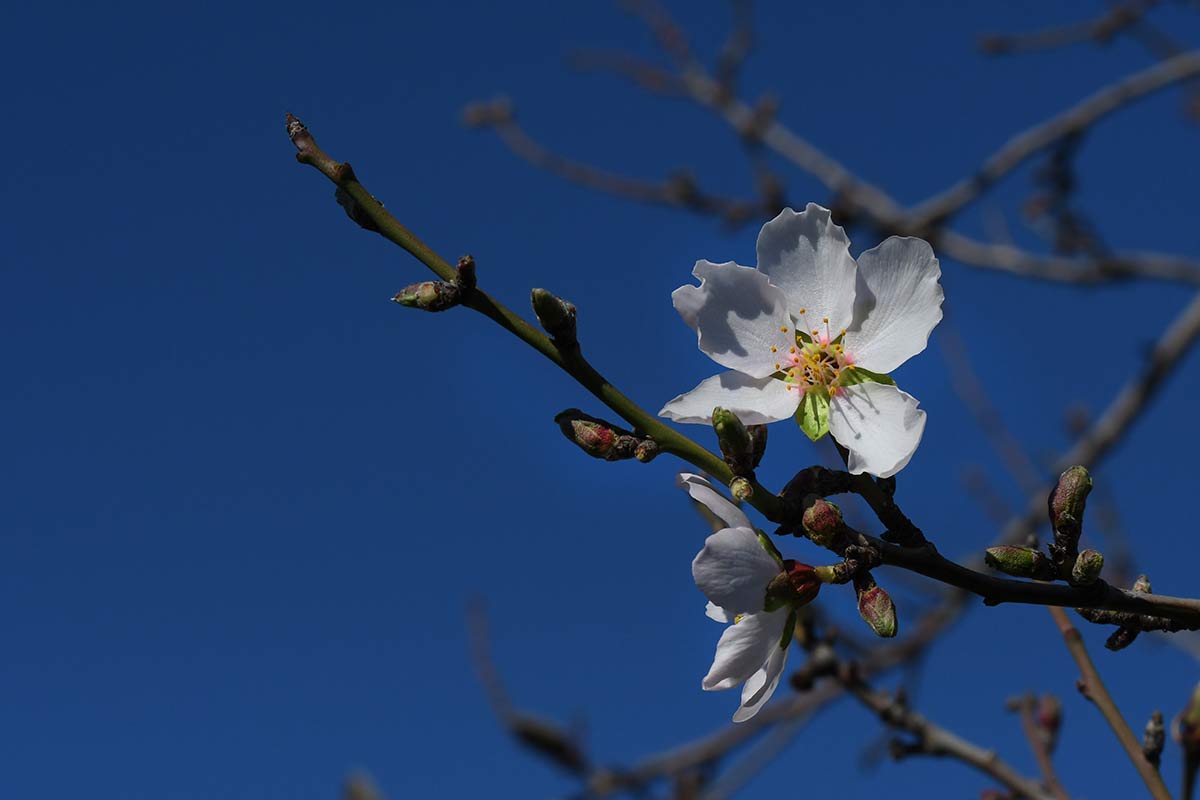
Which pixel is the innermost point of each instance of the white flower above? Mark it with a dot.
(733, 570)
(812, 333)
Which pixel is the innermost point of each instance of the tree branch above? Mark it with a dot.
(1094, 689)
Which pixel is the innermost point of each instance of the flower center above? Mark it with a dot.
(815, 360)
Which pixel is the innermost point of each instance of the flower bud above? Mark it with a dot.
(1048, 715)
(1187, 724)
(1154, 738)
(741, 489)
(1142, 584)
(1067, 503)
(734, 440)
(1087, 568)
(822, 522)
(1020, 562)
(428, 296)
(596, 437)
(875, 606)
(465, 279)
(1122, 637)
(758, 443)
(556, 316)
(796, 586)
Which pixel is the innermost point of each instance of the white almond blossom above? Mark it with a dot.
(734, 571)
(812, 333)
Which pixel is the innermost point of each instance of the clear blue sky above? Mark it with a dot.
(247, 499)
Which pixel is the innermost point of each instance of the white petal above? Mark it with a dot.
(703, 492)
(738, 316)
(733, 570)
(899, 302)
(714, 611)
(880, 425)
(808, 257)
(755, 400)
(762, 684)
(744, 647)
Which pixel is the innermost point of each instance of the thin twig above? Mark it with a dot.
(1078, 117)
(1101, 29)
(1093, 687)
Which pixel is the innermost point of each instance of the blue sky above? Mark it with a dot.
(248, 499)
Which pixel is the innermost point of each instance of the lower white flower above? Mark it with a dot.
(750, 586)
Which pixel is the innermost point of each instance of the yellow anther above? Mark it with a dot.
(783, 328)
(825, 320)
(803, 310)
(772, 348)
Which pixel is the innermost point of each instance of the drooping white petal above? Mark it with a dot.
(744, 647)
(899, 301)
(714, 611)
(808, 257)
(733, 570)
(737, 315)
(703, 492)
(755, 400)
(880, 425)
(762, 684)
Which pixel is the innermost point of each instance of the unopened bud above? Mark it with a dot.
(1154, 738)
(1187, 724)
(875, 606)
(466, 273)
(428, 296)
(556, 316)
(822, 522)
(1142, 585)
(1049, 719)
(646, 450)
(758, 443)
(796, 586)
(596, 437)
(741, 488)
(1067, 503)
(1121, 638)
(1087, 568)
(1020, 562)
(734, 440)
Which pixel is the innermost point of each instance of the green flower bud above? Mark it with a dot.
(428, 296)
(796, 586)
(875, 606)
(1067, 503)
(1020, 562)
(1087, 568)
(556, 316)
(823, 523)
(734, 440)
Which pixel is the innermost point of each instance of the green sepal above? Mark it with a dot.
(851, 376)
(813, 414)
(770, 547)
(788, 631)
